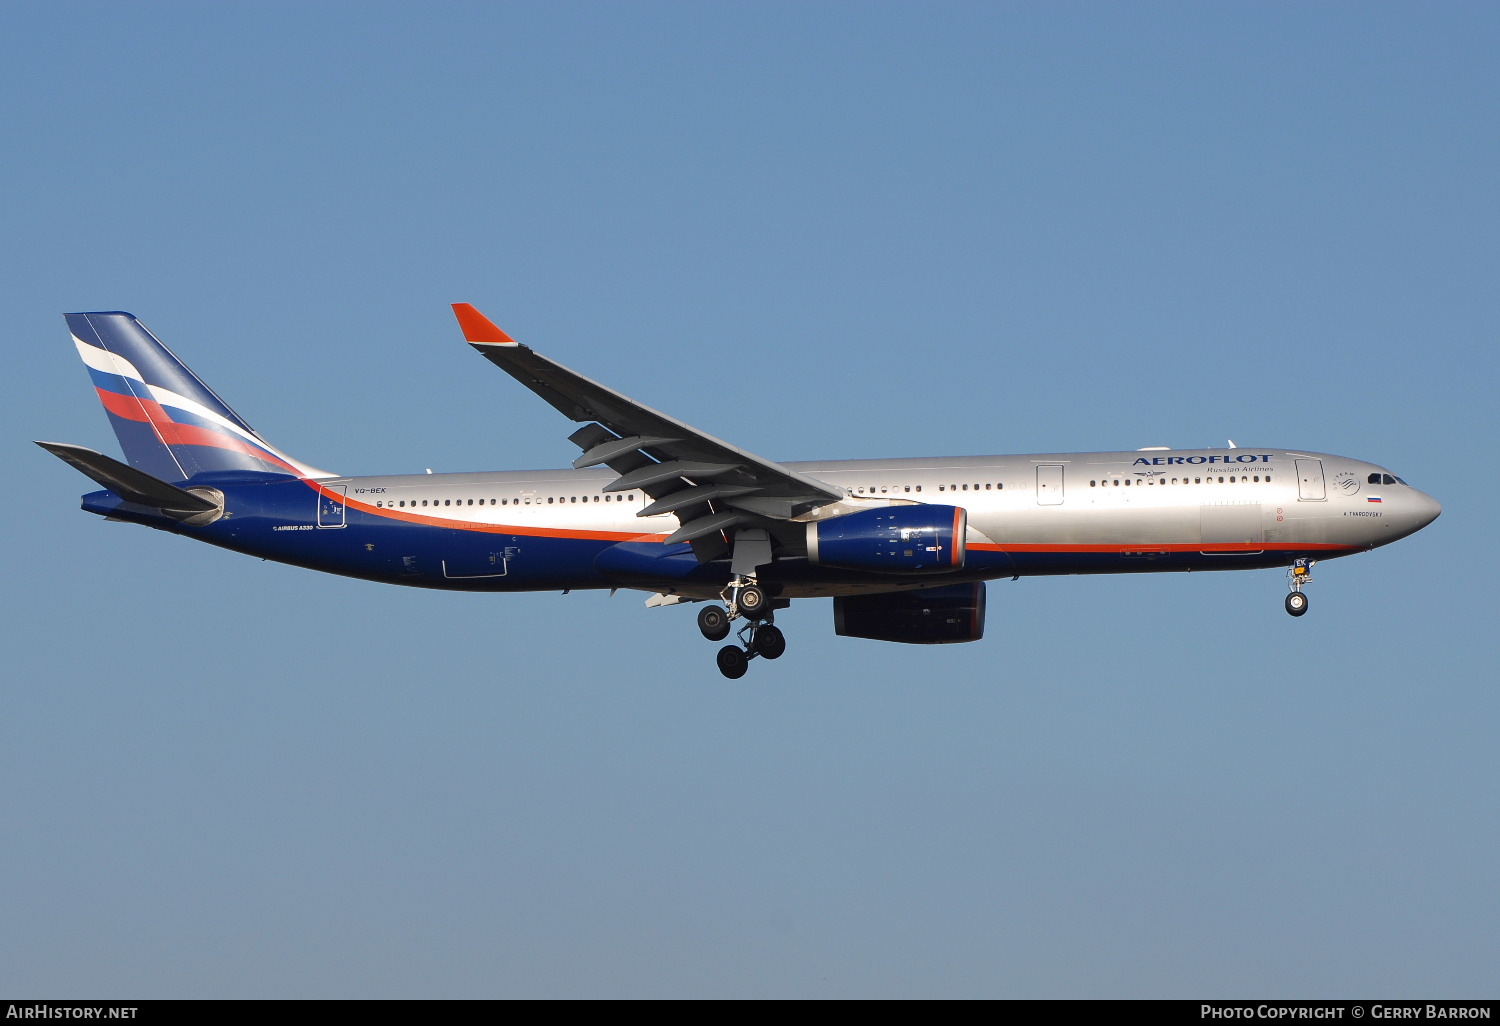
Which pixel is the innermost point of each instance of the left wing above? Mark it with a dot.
(712, 487)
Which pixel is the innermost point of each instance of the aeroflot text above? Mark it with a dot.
(1172, 461)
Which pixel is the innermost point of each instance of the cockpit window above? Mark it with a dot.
(1385, 479)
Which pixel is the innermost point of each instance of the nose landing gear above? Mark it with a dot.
(1298, 574)
(758, 637)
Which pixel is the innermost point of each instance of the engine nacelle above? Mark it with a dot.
(929, 616)
(891, 539)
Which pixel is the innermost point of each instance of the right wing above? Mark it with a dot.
(709, 485)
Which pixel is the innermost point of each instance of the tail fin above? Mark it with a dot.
(170, 424)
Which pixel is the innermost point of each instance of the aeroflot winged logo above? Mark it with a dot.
(1165, 461)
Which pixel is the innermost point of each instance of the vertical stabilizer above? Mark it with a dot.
(170, 424)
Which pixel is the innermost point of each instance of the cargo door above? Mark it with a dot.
(1231, 527)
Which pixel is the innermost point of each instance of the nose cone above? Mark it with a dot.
(1425, 509)
(1410, 512)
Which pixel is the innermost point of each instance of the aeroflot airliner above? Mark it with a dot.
(902, 546)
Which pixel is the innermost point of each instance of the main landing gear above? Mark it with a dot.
(1298, 574)
(759, 637)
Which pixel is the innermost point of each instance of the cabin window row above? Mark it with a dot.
(888, 489)
(1232, 479)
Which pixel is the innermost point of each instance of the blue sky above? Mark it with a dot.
(820, 230)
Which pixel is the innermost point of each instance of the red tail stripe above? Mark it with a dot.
(148, 411)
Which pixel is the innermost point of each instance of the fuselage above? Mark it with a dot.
(1047, 513)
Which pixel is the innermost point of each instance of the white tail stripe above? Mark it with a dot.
(108, 363)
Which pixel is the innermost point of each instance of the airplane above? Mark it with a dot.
(902, 546)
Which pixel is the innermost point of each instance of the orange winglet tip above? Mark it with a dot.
(479, 328)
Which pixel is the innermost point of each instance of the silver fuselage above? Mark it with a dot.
(1044, 513)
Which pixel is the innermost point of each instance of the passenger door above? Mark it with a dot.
(1049, 485)
(1310, 485)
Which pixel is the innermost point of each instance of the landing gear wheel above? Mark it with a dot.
(751, 601)
(769, 642)
(713, 621)
(733, 662)
(1296, 603)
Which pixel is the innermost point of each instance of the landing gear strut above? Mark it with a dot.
(758, 637)
(1298, 574)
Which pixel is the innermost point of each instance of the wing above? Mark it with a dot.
(712, 487)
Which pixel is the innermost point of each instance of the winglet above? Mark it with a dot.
(478, 329)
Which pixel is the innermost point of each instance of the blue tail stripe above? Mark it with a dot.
(126, 337)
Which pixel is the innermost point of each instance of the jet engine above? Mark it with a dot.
(891, 539)
(929, 616)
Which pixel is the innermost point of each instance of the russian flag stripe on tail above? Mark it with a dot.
(170, 424)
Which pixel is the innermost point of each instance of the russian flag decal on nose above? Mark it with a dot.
(1372, 498)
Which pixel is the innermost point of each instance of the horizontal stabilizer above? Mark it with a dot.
(128, 483)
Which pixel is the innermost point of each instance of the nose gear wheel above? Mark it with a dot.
(1298, 574)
